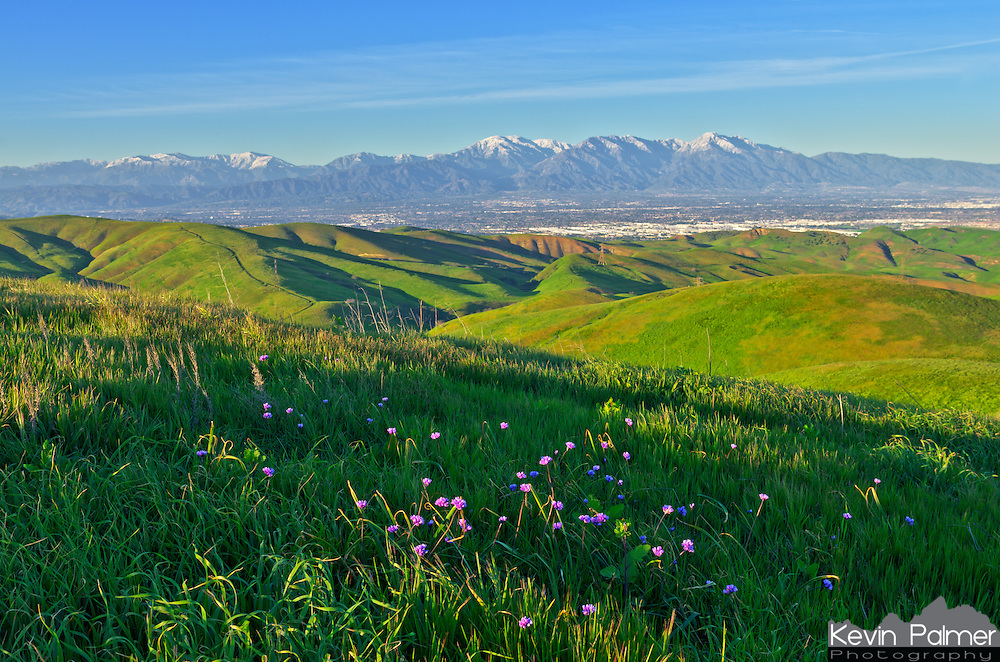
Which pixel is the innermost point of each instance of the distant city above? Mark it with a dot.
(625, 218)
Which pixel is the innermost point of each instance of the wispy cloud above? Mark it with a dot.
(553, 67)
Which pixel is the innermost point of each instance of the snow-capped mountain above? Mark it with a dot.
(603, 164)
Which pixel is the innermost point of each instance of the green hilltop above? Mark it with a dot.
(188, 481)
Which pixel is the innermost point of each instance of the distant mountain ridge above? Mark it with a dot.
(495, 165)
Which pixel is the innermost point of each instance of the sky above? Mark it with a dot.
(312, 81)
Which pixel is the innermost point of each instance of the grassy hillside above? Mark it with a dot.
(190, 482)
(784, 324)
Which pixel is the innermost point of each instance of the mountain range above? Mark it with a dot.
(494, 166)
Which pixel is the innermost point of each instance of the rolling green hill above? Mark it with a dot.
(769, 302)
(785, 324)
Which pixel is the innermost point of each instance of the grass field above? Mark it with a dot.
(183, 481)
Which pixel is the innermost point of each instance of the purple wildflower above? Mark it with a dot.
(658, 550)
(427, 482)
(420, 549)
(458, 502)
(848, 516)
(586, 519)
(302, 425)
(733, 446)
(878, 480)
(688, 545)
(628, 422)
(504, 426)
(263, 357)
(525, 622)
(502, 519)
(588, 609)
(391, 431)
(521, 475)
(763, 497)
(513, 487)
(909, 520)
(667, 509)
(570, 445)
(730, 588)
(558, 505)
(682, 510)
(289, 410)
(202, 453)
(435, 435)
(828, 584)
(525, 487)
(267, 414)
(627, 456)
(545, 460)
(599, 519)
(268, 471)
(361, 504)
(442, 502)
(556, 526)
(267, 405)
(392, 528)
(417, 520)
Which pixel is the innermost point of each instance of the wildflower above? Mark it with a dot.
(878, 480)
(502, 519)
(381, 404)
(688, 545)
(325, 401)
(763, 497)
(828, 584)
(909, 520)
(545, 460)
(202, 453)
(427, 482)
(570, 445)
(533, 474)
(463, 526)
(522, 475)
(628, 422)
(526, 487)
(608, 478)
(626, 456)
(370, 420)
(391, 431)
(621, 497)
(513, 487)
(586, 519)
(263, 357)
(682, 510)
(361, 503)
(658, 550)
(604, 445)
(267, 405)
(733, 446)
(556, 526)
(599, 519)
(267, 414)
(590, 473)
(420, 549)
(667, 509)
(442, 502)
(458, 502)
(621, 482)
(596, 467)
(558, 505)
(268, 471)
(302, 425)
(588, 609)
(289, 410)
(385, 399)
(730, 588)
(642, 539)
(392, 528)
(417, 520)
(435, 435)
(848, 516)
(525, 622)
(504, 426)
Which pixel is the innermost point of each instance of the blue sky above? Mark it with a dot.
(311, 81)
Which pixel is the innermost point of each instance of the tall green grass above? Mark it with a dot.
(121, 541)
